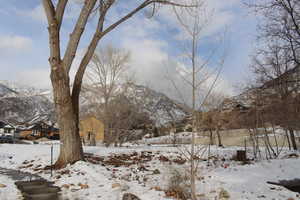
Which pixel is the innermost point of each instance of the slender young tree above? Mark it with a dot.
(193, 22)
(66, 94)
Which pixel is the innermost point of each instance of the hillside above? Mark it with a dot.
(6, 91)
(19, 105)
(160, 108)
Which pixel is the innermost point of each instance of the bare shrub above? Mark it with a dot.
(179, 185)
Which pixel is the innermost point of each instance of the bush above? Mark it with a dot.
(178, 185)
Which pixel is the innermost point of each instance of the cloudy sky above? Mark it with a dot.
(155, 43)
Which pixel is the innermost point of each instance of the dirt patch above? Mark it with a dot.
(134, 158)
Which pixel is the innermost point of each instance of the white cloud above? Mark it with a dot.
(179, 77)
(218, 13)
(154, 68)
(140, 35)
(150, 57)
(14, 43)
(35, 77)
(37, 13)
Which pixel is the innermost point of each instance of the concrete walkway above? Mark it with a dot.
(18, 175)
(32, 186)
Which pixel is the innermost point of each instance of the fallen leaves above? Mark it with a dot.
(83, 186)
(114, 185)
(66, 186)
(134, 158)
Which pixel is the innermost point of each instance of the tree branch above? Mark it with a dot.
(49, 10)
(53, 34)
(100, 33)
(77, 33)
(60, 10)
(140, 7)
(89, 53)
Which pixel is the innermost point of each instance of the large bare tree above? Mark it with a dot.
(277, 61)
(66, 94)
(105, 75)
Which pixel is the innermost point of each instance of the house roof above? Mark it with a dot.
(2, 124)
(8, 126)
(37, 125)
(283, 78)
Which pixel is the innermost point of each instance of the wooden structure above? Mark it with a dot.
(91, 130)
(38, 130)
(241, 155)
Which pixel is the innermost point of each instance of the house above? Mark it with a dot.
(24, 132)
(2, 125)
(91, 130)
(289, 80)
(38, 130)
(7, 129)
(53, 133)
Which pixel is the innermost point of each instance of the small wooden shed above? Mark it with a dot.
(91, 130)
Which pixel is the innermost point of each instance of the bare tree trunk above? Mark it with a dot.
(292, 135)
(219, 137)
(193, 167)
(288, 139)
(275, 138)
(257, 142)
(267, 140)
(253, 144)
(211, 142)
(67, 111)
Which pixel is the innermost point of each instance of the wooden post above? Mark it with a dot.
(51, 159)
(241, 155)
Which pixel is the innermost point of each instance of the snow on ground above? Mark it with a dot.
(249, 181)
(8, 191)
(85, 180)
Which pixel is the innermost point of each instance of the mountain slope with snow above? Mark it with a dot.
(19, 105)
(160, 108)
(6, 91)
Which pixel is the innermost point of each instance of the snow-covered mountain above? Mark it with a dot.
(19, 103)
(24, 90)
(245, 100)
(6, 91)
(160, 108)
(24, 104)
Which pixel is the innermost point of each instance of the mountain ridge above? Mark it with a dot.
(23, 104)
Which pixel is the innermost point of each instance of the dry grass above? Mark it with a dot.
(178, 185)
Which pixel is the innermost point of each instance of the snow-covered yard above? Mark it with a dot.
(149, 177)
